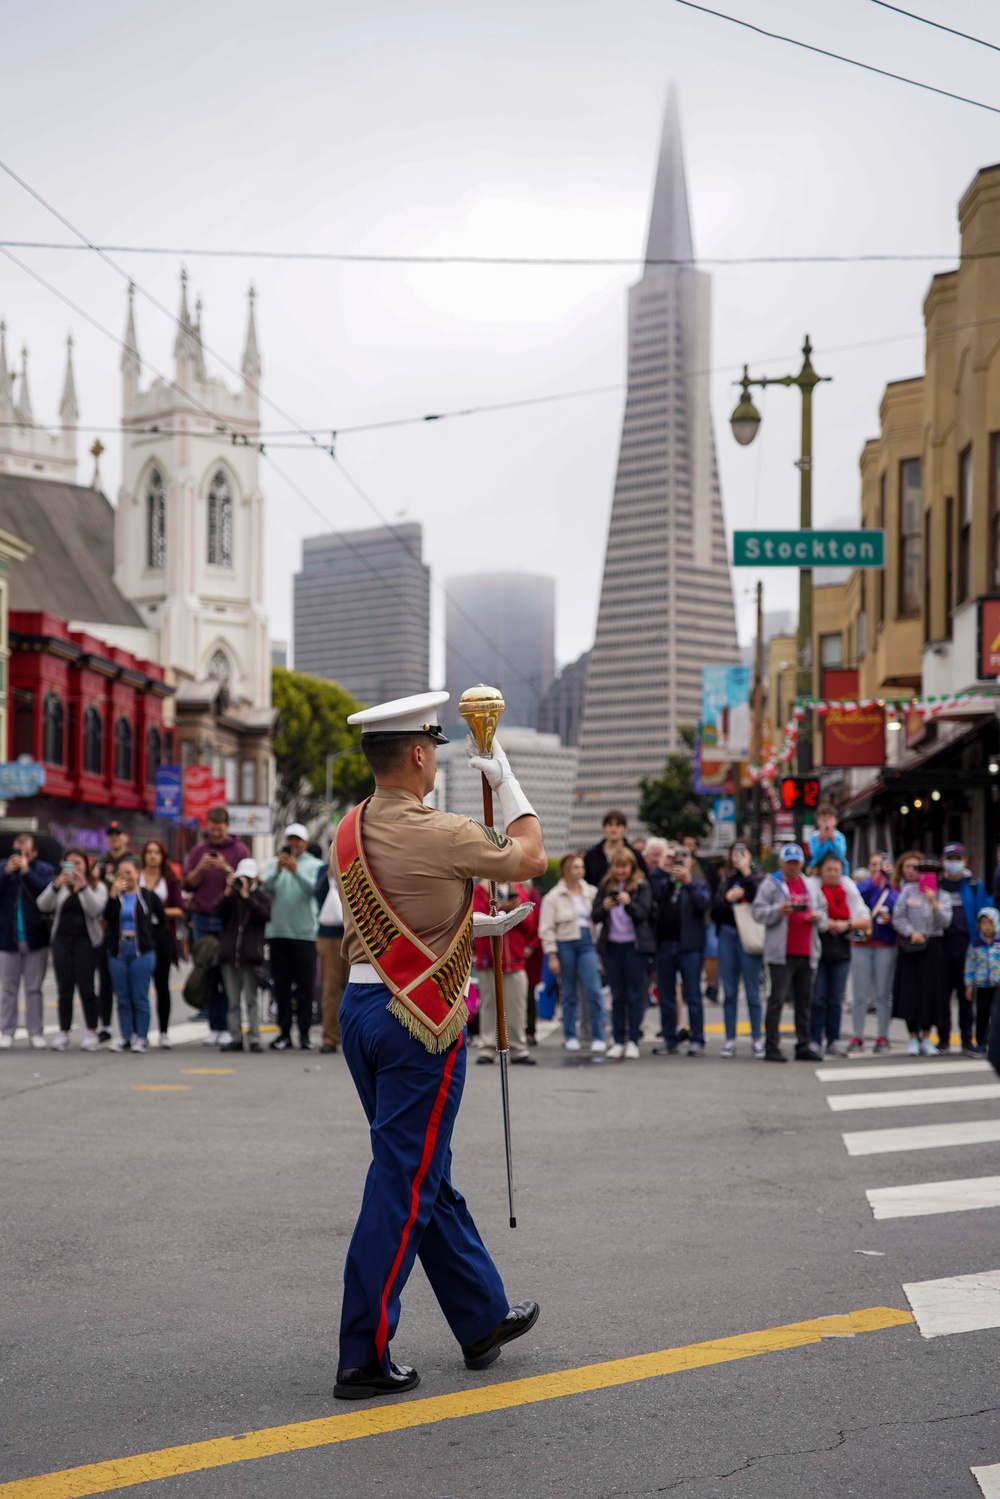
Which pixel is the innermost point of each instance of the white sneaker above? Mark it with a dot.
(598, 1048)
(834, 1049)
(90, 1042)
(728, 1049)
(757, 1047)
(139, 1043)
(6, 1041)
(38, 1042)
(616, 1051)
(61, 1042)
(120, 1044)
(928, 1049)
(212, 1039)
(225, 1038)
(631, 1052)
(571, 1043)
(913, 1050)
(165, 1040)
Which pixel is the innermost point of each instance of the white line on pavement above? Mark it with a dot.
(899, 1069)
(924, 1198)
(959, 1303)
(909, 1097)
(988, 1480)
(921, 1137)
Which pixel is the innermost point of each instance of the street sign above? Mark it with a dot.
(248, 822)
(800, 791)
(724, 813)
(20, 778)
(809, 549)
(167, 790)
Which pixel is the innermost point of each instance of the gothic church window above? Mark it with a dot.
(220, 521)
(52, 729)
(156, 521)
(218, 667)
(93, 742)
(123, 750)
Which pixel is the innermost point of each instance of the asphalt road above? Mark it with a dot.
(172, 1262)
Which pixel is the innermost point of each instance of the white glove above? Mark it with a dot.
(496, 768)
(485, 925)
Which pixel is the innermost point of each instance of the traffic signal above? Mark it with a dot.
(799, 791)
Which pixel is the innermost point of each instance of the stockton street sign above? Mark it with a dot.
(809, 548)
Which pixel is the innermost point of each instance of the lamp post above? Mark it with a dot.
(745, 422)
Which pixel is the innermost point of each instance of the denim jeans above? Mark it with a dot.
(670, 962)
(873, 966)
(625, 971)
(131, 974)
(218, 1005)
(828, 1000)
(578, 967)
(734, 961)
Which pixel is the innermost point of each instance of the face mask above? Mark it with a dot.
(953, 868)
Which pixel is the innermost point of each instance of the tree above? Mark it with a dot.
(669, 804)
(312, 724)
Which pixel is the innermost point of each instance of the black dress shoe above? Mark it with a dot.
(327, 1048)
(523, 1062)
(775, 1056)
(519, 1320)
(231, 1046)
(485, 1059)
(256, 1046)
(365, 1384)
(664, 1051)
(808, 1054)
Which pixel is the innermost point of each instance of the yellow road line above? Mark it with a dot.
(160, 1087)
(196, 1457)
(207, 1071)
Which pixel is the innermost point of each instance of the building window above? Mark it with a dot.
(232, 774)
(218, 668)
(880, 581)
(862, 636)
(248, 782)
(187, 754)
(927, 576)
(93, 743)
(153, 754)
(169, 747)
(123, 750)
(911, 499)
(53, 722)
(831, 652)
(24, 722)
(964, 524)
(220, 521)
(156, 521)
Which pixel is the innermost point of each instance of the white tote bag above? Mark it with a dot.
(751, 932)
(332, 913)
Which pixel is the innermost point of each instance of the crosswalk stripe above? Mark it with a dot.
(958, 1303)
(899, 1069)
(911, 1097)
(923, 1198)
(988, 1480)
(921, 1137)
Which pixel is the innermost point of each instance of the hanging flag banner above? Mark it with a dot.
(725, 712)
(167, 789)
(854, 737)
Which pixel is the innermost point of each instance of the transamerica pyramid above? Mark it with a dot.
(666, 605)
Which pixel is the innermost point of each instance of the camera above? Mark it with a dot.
(800, 905)
(930, 865)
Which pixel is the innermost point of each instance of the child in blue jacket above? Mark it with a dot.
(982, 975)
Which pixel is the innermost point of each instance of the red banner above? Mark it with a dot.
(989, 638)
(854, 736)
(202, 791)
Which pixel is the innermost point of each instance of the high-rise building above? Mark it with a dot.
(562, 706)
(500, 628)
(666, 605)
(362, 611)
(544, 767)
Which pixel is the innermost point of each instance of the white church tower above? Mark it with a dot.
(189, 540)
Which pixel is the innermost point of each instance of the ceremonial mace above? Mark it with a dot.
(481, 708)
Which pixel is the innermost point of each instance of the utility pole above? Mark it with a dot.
(757, 746)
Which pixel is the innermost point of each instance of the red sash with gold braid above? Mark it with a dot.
(428, 990)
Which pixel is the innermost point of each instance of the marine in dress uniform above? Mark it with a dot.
(407, 873)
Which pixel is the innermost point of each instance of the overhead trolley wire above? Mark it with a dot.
(938, 25)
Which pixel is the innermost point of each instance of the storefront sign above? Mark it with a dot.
(249, 822)
(854, 736)
(167, 786)
(989, 638)
(20, 778)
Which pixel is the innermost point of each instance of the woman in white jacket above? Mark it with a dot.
(78, 899)
(567, 935)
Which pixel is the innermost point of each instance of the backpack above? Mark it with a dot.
(196, 985)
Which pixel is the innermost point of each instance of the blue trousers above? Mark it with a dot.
(410, 1207)
(670, 962)
(131, 974)
(828, 1000)
(733, 961)
(625, 971)
(578, 965)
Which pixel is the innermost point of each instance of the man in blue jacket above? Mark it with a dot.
(24, 940)
(679, 905)
(967, 896)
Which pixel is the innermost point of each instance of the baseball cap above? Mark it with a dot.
(954, 851)
(792, 851)
(114, 827)
(247, 867)
(296, 830)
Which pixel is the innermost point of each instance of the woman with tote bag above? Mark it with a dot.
(739, 955)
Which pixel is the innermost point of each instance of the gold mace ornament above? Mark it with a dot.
(481, 708)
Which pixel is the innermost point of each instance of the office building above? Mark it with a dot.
(666, 607)
(562, 706)
(545, 768)
(500, 629)
(362, 611)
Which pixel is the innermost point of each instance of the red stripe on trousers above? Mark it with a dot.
(430, 1140)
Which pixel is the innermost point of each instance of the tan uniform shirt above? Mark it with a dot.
(425, 862)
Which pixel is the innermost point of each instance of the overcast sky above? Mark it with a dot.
(514, 129)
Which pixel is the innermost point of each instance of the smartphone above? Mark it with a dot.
(286, 849)
(928, 881)
(800, 905)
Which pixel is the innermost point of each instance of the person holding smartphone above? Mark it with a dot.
(76, 899)
(920, 918)
(793, 914)
(206, 869)
(133, 916)
(243, 912)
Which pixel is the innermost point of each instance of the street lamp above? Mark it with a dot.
(745, 421)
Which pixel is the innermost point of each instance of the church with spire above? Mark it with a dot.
(138, 635)
(666, 606)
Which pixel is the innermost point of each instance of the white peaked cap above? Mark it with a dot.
(404, 715)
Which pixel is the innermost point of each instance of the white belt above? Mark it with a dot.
(364, 973)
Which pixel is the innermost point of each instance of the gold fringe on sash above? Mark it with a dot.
(419, 1031)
